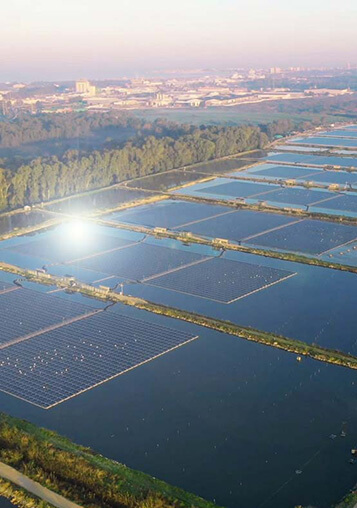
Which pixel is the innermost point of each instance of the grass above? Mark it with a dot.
(298, 347)
(188, 238)
(127, 480)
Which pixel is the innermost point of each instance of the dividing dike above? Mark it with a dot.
(278, 341)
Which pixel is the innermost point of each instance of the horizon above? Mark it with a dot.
(43, 41)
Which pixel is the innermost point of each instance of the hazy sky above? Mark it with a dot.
(66, 39)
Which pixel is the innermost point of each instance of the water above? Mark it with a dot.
(164, 181)
(348, 133)
(225, 418)
(225, 165)
(328, 141)
(109, 198)
(322, 296)
(10, 223)
(5, 503)
(292, 148)
(273, 172)
(318, 160)
(232, 441)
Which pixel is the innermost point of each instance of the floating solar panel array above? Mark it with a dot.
(295, 196)
(316, 160)
(25, 312)
(326, 141)
(59, 249)
(330, 177)
(236, 189)
(278, 195)
(297, 148)
(238, 225)
(299, 173)
(221, 280)
(140, 261)
(277, 171)
(343, 203)
(307, 236)
(59, 364)
(167, 214)
(6, 286)
(345, 133)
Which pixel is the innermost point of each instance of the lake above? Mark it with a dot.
(237, 422)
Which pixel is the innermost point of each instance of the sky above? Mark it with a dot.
(98, 39)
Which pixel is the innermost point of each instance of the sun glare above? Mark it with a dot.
(76, 232)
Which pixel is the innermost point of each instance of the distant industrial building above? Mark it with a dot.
(84, 86)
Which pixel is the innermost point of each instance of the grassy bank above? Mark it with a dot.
(20, 497)
(30, 229)
(350, 501)
(295, 212)
(187, 237)
(82, 475)
(270, 339)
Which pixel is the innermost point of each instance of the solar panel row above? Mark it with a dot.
(221, 280)
(63, 250)
(59, 364)
(25, 311)
(140, 261)
(307, 236)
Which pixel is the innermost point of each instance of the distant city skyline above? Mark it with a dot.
(45, 40)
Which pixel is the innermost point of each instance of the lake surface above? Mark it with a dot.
(240, 423)
(97, 200)
(5, 503)
(232, 440)
(10, 223)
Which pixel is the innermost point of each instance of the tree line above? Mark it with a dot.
(46, 178)
(28, 128)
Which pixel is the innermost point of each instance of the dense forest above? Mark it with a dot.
(32, 128)
(47, 178)
(156, 147)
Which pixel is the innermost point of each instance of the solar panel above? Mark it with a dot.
(168, 214)
(295, 196)
(221, 280)
(140, 261)
(308, 236)
(280, 171)
(328, 141)
(318, 160)
(339, 177)
(62, 363)
(348, 133)
(6, 286)
(55, 248)
(25, 311)
(238, 225)
(236, 189)
(345, 202)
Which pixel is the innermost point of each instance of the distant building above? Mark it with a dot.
(84, 86)
(328, 91)
(161, 100)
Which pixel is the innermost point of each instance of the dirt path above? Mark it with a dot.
(35, 488)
